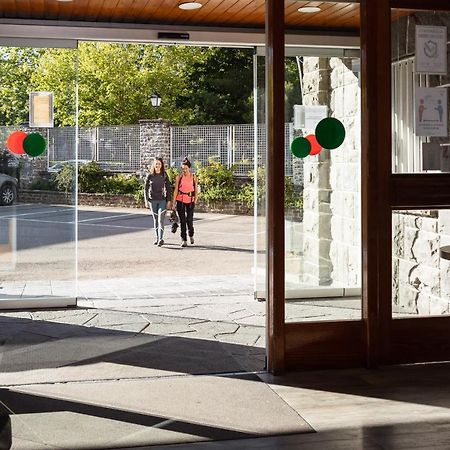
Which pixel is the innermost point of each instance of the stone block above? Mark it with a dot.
(439, 306)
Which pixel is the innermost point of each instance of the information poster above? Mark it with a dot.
(307, 117)
(431, 50)
(431, 115)
(41, 109)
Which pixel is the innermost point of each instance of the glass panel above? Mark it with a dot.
(259, 179)
(37, 214)
(420, 81)
(421, 263)
(322, 182)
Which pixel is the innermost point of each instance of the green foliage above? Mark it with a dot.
(17, 66)
(90, 177)
(65, 178)
(221, 87)
(139, 196)
(42, 184)
(121, 183)
(197, 84)
(172, 173)
(216, 181)
(292, 199)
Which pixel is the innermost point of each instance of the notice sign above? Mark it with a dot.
(307, 117)
(431, 50)
(431, 115)
(41, 110)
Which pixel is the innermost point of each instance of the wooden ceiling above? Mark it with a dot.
(229, 13)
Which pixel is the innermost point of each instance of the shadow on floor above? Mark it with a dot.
(28, 344)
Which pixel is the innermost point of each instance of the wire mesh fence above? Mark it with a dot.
(231, 145)
(117, 148)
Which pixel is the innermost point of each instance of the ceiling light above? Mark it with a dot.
(190, 5)
(309, 9)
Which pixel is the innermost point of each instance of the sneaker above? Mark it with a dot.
(183, 244)
(192, 240)
(161, 243)
(155, 243)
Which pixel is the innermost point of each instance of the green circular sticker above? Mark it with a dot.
(300, 147)
(34, 144)
(330, 133)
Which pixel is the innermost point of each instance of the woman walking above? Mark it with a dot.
(157, 194)
(185, 195)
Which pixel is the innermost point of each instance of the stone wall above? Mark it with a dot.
(316, 262)
(127, 200)
(154, 140)
(421, 279)
(331, 196)
(345, 178)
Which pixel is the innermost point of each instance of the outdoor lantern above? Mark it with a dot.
(156, 100)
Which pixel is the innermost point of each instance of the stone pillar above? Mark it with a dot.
(317, 265)
(345, 170)
(154, 140)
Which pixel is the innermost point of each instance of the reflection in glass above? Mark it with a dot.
(37, 231)
(420, 264)
(420, 92)
(322, 214)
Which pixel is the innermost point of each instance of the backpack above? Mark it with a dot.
(194, 182)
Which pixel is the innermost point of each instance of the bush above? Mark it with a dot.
(121, 183)
(216, 181)
(246, 194)
(65, 179)
(43, 184)
(90, 177)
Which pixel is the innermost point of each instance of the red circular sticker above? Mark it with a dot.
(315, 146)
(15, 142)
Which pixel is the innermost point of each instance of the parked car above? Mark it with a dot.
(60, 165)
(8, 190)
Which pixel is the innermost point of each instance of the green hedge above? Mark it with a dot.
(217, 183)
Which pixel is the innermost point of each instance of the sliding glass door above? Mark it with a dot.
(38, 118)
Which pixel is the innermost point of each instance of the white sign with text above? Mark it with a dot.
(431, 115)
(431, 50)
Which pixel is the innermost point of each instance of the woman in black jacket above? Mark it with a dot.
(157, 194)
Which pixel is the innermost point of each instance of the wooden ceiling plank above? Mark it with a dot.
(148, 10)
(212, 8)
(134, 11)
(121, 10)
(214, 12)
(245, 12)
(324, 18)
(257, 16)
(297, 19)
(219, 11)
(94, 10)
(293, 6)
(350, 14)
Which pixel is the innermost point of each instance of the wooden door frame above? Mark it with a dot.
(377, 338)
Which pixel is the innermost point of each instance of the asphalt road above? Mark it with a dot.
(37, 242)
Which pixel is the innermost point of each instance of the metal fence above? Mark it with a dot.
(227, 144)
(116, 148)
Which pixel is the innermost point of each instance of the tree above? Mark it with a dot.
(221, 87)
(115, 82)
(17, 66)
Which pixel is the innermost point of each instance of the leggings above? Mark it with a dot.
(158, 211)
(186, 214)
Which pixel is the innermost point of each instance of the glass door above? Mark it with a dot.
(322, 188)
(38, 133)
